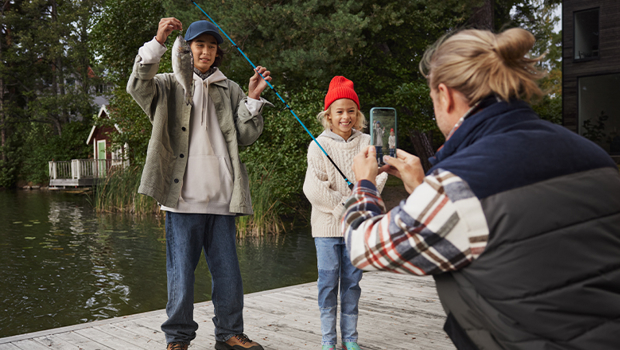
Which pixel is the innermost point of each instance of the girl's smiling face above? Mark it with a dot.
(342, 117)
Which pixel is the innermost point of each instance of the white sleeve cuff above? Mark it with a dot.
(151, 52)
(254, 106)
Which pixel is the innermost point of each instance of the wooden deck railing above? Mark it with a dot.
(77, 169)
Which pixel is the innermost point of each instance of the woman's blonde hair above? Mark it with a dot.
(478, 63)
(324, 115)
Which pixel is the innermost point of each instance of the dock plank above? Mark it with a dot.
(29, 344)
(8, 346)
(397, 312)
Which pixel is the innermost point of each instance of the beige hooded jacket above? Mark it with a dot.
(161, 98)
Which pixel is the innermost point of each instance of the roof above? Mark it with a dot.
(102, 110)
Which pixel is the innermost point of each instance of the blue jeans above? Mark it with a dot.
(335, 267)
(186, 236)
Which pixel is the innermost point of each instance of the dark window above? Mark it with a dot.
(586, 34)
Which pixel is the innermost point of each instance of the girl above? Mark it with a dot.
(326, 190)
(392, 143)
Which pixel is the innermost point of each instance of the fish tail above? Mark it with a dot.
(188, 98)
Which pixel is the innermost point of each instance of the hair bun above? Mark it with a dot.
(513, 44)
(478, 63)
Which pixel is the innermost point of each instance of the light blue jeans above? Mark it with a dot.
(186, 236)
(335, 268)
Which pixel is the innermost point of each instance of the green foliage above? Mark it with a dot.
(279, 155)
(538, 16)
(378, 45)
(9, 167)
(46, 61)
(549, 108)
(122, 27)
(46, 81)
(267, 207)
(42, 145)
(120, 31)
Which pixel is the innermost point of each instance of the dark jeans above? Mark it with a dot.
(186, 236)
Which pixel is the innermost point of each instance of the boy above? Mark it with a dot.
(193, 170)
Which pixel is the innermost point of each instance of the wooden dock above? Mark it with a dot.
(396, 312)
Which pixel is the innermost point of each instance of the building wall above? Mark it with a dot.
(609, 52)
(103, 133)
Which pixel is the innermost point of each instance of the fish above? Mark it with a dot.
(183, 67)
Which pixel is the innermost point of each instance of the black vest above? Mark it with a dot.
(549, 277)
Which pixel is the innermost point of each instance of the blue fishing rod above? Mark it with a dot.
(277, 94)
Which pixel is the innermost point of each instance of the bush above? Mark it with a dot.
(42, 145)
(277, 162)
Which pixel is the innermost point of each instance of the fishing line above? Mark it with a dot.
(280, 97)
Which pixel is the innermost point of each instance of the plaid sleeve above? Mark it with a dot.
(440, 227)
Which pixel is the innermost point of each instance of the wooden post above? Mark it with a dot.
(52, 169)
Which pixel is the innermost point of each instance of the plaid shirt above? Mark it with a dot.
(440, 227)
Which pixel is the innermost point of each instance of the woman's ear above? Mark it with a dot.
(446, 98)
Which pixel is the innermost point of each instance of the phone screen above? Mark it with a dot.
(383, 132)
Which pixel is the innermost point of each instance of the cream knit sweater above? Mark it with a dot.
(324, 186)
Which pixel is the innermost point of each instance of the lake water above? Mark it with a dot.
(63, 264)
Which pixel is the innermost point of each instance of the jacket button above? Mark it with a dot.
(176, 181)
(183, 128)
(181, 155)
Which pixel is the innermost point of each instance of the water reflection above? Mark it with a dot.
(63, 264)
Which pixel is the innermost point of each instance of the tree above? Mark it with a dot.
(539, 17)
(120, 29)
(378, 45)
(45, 74)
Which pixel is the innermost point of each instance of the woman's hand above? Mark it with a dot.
(365, 165)
(257, 84)
(166, 26)
(405, 166)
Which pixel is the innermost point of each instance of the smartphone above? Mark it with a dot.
(383, 132)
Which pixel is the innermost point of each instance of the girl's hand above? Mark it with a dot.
(365, 165)
(166, 26)
(405, 166)
(257, 84)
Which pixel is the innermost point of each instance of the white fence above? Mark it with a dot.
(81, 172)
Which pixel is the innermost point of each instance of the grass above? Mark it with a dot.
(393, 181)
(267, 208)
(118, 192)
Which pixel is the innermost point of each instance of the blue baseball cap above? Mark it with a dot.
(203, 27)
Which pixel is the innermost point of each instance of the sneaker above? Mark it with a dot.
(350, 346)
(328, 347)
(238, 342)
(177, 346)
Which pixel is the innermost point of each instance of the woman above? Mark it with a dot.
(518, 220)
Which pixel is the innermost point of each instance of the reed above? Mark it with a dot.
(268, 209)
(118, 192)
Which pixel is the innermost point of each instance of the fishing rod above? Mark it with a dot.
(280, 97)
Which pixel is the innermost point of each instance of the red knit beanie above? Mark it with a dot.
(340, 87)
